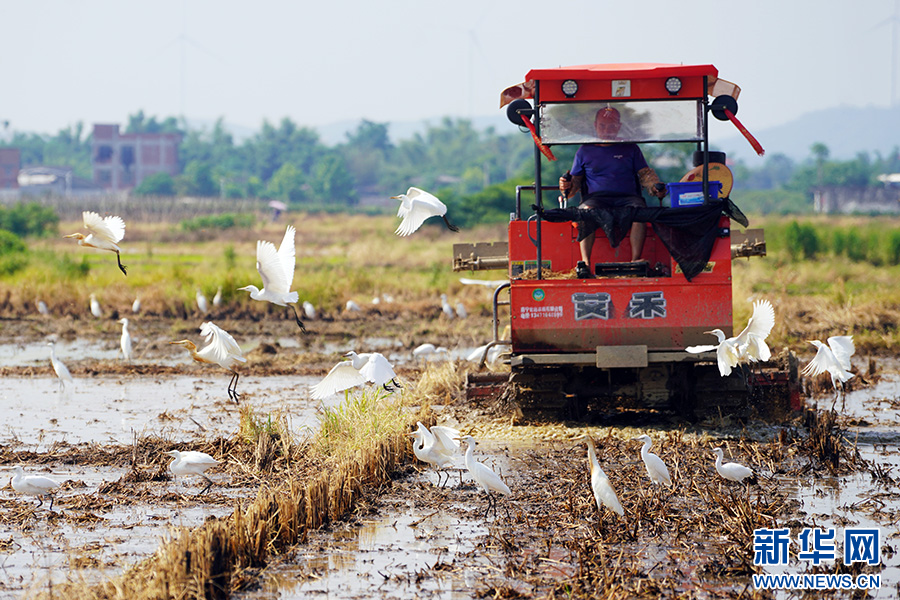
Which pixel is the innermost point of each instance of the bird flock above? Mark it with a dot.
(439, 447)
(749, 347)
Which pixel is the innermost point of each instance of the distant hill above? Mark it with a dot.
(846, 130)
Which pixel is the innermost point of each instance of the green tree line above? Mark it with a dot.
(476, 169)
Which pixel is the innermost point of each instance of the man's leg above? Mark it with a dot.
(587, 245)
(638, 233)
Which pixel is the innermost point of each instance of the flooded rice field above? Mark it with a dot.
(104, 440)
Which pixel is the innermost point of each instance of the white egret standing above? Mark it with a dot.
(748, 346)
(461, 311)
(42, 308)
(202, 302)
(104, 234)
(731, 471)
(192, 463)
(220, 349)
(352, 306)
(276, 267)
(426, 449)
(446, 307)
(136, 305)
(834, 358)
(95, 307)
(656, 468)
(483, 475)
(370, 367)
(417, 205)
(62, 372)
(34, 485)
(125, 342)
(217, 299)
(309, 311)
(604, 494)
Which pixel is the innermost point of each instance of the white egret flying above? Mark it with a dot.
(747, 346)
(490, 283)
(220, 349)
(656, 468)
(95, 307)
(731, 471)
(34, 485)
(483, 475)
(833, 357)
(430, 449)
(202, 302)
(370, 367)
(276, 267)
(62, 372)
(105, 233)
(427, 349)
(125, 342)
(192, 463)
(604, 494)
(417, 205)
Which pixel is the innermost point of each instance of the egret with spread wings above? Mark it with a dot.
(276, 267)
(415, 207)
(105, 234)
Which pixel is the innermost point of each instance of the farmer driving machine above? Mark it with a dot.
(615, 339)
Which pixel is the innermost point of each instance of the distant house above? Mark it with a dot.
(857, 199)
(10, 161)
(53, 181)
(122, 161)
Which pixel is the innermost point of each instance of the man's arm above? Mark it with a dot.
(649, 179)
(568, 187)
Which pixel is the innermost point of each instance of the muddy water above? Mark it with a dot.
(86, 535)
(414, 549)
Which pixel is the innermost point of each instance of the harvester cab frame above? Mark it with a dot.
(581, 345)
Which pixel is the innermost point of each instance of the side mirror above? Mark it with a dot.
(516, 109)
(717, 107)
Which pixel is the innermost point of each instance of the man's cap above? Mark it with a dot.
(608, 114)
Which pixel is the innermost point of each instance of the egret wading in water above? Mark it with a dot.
(747, 346)
(484, 476)
(125, 342)
(604, 494)
(415, 207)
(34, 485)
(62, 372)
(105, 234)
(220, 349)
(276, 267)
(370, 367)
(192, 463)
(431, 449)
(656, 468)
(731, 471)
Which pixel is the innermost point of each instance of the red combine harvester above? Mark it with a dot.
(617, 341)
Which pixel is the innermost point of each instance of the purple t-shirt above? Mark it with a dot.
(612, 168)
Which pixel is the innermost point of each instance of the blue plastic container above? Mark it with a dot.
(691, 193)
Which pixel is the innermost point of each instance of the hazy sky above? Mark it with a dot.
(64, 61)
